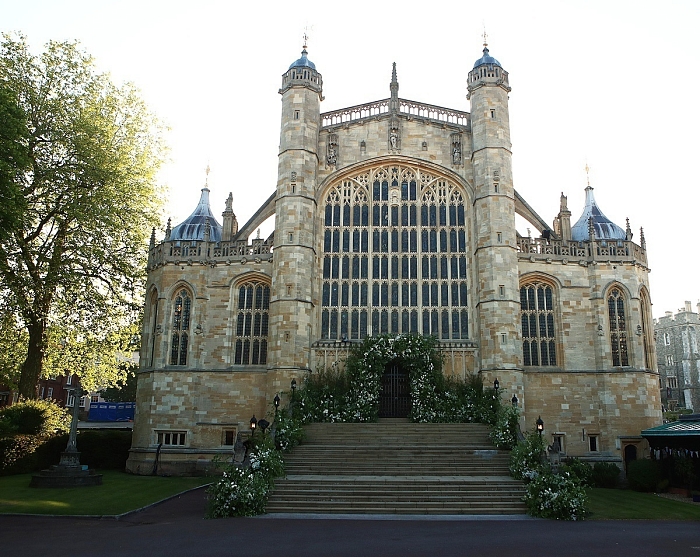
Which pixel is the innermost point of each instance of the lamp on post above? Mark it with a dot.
(276, 400)
(540, 425)
(496, 386)
(294, 387)
(253, 425)
(514, 401)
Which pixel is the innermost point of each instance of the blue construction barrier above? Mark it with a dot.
(111, 411)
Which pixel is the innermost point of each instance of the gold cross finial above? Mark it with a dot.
(486, 44)
(588, 178)
(206, 181)
(307, 28)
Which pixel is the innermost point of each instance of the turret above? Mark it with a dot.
(291, 304)
(498, 303)
(230, 226)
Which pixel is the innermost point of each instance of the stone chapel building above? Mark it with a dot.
(394, 216)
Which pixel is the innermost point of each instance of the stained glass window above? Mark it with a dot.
(537, 321)
(252, 322)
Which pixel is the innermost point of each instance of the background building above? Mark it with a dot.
(677, 350)
(395, 216)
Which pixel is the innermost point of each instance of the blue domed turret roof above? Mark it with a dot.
(487, 60)
(603, 227)
(303, 62)
(194, 226)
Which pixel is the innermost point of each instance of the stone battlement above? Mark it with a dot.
(208, 252)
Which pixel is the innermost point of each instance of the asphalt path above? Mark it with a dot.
(177, 528)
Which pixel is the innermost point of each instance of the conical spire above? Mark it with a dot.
(201, 221)
(603, 227)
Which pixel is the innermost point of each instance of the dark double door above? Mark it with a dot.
(395, 393)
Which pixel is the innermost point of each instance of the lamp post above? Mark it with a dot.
(276, 400)
(514, 401)
(540, 425)
(294, 388)
(253, 425)
(496, 386)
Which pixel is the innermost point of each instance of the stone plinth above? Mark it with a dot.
(68, 473)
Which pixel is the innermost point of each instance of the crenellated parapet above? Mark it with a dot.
(545, 249)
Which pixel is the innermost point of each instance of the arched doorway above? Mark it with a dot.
(630, 455)
(395, 392)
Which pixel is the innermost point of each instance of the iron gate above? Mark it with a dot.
(395, 394)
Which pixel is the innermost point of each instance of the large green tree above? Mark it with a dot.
(72, 267)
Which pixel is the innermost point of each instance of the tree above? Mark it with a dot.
(14, 159)
(72, 268)
(126, 390)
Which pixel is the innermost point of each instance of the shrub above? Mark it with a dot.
(580, 470)
(35, 417)
(505, 433)
(244, 491)
(560, 497)
(526, 457)
(643, 475)
(288, 430)
(606, 474)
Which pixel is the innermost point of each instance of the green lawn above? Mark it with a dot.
(118, 494)
(618, 504)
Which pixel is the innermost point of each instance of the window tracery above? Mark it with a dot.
(252, 322)
(537, 320)
(618, 328)
(181, 328)
(394, 256)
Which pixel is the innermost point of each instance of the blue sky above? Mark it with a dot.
(609, 83)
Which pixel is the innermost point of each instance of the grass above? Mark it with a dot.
(119, 493)
(618, 504)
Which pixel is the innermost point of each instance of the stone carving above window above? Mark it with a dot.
(332, 155)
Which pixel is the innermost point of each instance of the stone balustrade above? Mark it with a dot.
(409, 108)
(560, 250)
(208, 252)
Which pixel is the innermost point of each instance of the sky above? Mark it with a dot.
(609, 84)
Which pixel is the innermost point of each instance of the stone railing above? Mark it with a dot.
(208, 252)
(406, 107)
(600, 250)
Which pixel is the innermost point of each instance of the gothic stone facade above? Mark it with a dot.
(392, 216)
(679, 358)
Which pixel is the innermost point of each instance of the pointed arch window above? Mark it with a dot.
(252, 321)
(618, 328)
(537, 320)
(647, 341)
(153, 330)
(395, 255)
(181, 328)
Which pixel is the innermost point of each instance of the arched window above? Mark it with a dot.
(153, 329)
(618, 328)
(394, 256)
(252, 324)
(181, 328)
(646, 331)
(537, 319)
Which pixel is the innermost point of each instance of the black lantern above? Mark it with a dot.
(294, 387)
(264, 424)
(540, 425)
(496, 385)
(276, 400)
(514, 401)
(253, 425)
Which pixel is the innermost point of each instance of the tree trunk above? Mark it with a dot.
(31, 368)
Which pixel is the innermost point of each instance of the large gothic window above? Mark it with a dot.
(394, 256)
(181, 328)
(618, 328)
(537, 319)
(252, 324)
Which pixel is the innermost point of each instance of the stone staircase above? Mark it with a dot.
(397, 467)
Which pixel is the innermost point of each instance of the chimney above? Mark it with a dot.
(688, 306)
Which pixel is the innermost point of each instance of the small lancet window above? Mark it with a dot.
(181, 328)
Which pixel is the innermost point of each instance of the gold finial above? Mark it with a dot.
(307, 28)
(486, 44)
(206, 180)
(588, 177)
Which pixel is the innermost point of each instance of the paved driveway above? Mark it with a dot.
(176, 528)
